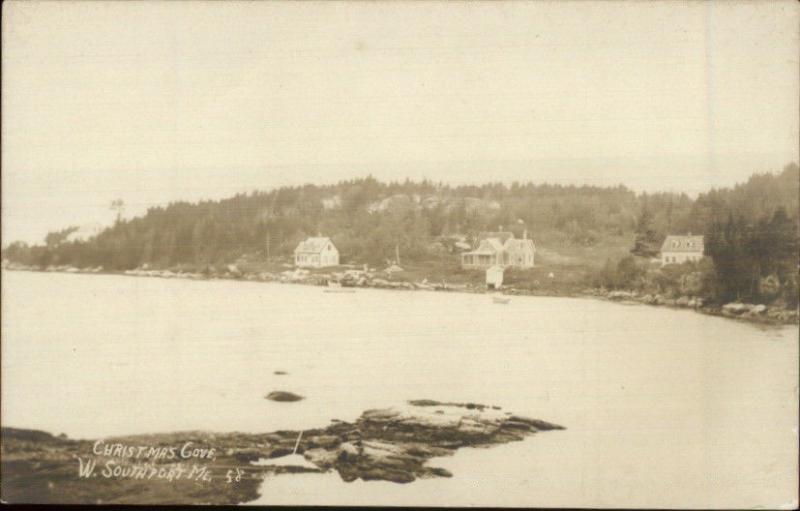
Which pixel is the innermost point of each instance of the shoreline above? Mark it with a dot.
(752, 313)
(197, 467)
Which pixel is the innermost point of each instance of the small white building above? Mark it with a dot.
(316, 252)
(679, 249)
(494, 277)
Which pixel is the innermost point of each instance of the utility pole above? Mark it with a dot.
(267, 245)
(443, 252)
(397, 253)
(118, 205)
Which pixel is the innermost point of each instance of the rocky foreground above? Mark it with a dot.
(392, 444)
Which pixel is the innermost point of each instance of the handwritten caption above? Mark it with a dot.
(186, 462)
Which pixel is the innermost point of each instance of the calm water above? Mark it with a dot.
(663, 407)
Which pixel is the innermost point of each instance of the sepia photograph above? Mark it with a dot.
(537, 254)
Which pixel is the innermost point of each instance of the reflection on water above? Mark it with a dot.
(654, 399)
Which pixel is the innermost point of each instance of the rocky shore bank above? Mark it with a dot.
(757, 313)
(392, 444)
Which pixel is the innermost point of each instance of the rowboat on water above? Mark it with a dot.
(501, 299)
(336, 287)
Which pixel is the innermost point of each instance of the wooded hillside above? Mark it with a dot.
(751, 229)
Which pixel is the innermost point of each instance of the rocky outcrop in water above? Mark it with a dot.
(283, 396)
(393, 444)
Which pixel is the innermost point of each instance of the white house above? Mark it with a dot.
(519, 253)
(316, 252)
(679, 249)
(500, 249)
(488, 253)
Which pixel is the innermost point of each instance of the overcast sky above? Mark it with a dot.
(158, 101)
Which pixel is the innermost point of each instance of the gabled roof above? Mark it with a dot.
(501, 235)
(495, 243)
(523, 245)
(676, 243)
(313, 245)
(489, 246)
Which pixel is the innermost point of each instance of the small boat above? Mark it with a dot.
(501, 299)
(336, 287)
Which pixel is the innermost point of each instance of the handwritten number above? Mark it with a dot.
(234, 478)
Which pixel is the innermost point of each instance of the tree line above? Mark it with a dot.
(751, 229)
(750, 236)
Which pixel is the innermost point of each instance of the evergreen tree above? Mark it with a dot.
(646, 243)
